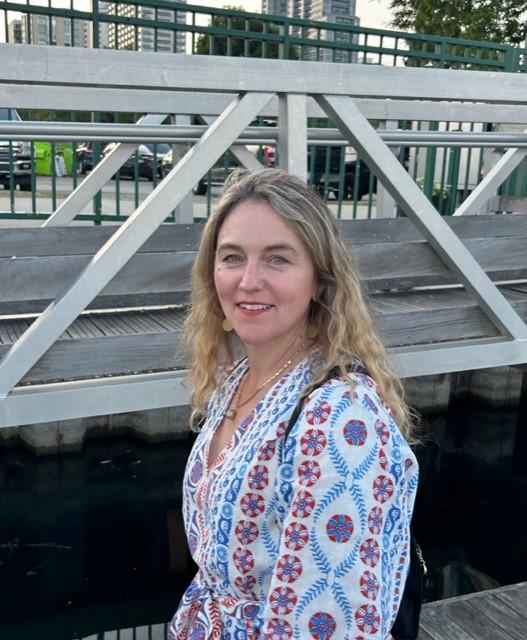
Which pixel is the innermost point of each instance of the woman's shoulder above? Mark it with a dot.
(352, 389)
(343, 399)
(347, 413)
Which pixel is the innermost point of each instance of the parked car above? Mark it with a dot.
(215, 178)
(84, 155)
(326, 175)
(142, 163)
(15, 157)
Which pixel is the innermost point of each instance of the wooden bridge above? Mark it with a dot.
(92, 316)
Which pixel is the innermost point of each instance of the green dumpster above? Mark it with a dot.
(43, 166)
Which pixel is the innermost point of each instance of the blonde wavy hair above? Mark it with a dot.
(346, 330)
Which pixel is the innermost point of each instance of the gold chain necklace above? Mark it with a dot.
(231, 413)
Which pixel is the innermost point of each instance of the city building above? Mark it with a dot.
(51, 30)
(143, 38)
(330, 11)
(14, 32)
(275, 7)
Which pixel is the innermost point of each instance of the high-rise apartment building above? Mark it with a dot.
(14, 32)
(53, 30)
(275, 7)
(330, 11)
(145, 38)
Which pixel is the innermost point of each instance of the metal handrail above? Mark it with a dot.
(98, 132)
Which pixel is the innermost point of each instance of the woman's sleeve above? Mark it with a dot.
(347, 485)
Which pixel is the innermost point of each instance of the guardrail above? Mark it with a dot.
(327, 169)
(447, 177)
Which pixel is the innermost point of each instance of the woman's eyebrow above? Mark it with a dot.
(228, 246)
(281, 246)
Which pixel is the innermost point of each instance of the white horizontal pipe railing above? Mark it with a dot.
(71, 132)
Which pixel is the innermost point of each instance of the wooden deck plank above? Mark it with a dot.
(108, 325)
(49, 241)
(383, 266)
(425, 635)
(106, 356)
(475, 622)
(495, 614)
(399, 323)
(435, 622)
(172, 320)
(501, 614)
(517, 599)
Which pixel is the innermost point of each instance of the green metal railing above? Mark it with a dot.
(445, 176)
(146, 25)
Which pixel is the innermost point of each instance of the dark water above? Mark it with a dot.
(93, 542)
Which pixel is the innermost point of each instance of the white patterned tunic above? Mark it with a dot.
(303, 539)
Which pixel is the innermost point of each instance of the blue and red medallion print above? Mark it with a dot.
(322, 625)
(375, 520)
(369, 585)
(313, 442)
(308, 473)
(243, 560)
(382, 488)
(367, 618)
(283, 600)
(246, 532)
(296, 536)
(303, 505)
(369, 552)
(318, 414)
(259, 477)
(278, 629)
(355, 433)
(339, 528)
(252, 504)
(289, 568)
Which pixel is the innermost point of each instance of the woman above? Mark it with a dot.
(304, 534)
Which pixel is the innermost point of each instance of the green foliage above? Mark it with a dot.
(221, 45)
(502, 21)
(482, 20)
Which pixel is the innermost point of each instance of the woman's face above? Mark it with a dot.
(264, 276)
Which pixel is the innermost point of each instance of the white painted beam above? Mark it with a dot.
(81, 399)
(127, 239)
(418, 208)
(292, 134)
(44, 65)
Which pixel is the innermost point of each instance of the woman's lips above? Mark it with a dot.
(253, 308)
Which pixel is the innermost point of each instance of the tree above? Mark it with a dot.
(237, 45)
(503, 21)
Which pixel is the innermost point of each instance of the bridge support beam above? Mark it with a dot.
(126, 241)
(418, 208)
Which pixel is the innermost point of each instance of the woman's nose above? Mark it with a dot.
(251, 277)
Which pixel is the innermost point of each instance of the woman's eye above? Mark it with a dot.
(278, 260)
(232, 258)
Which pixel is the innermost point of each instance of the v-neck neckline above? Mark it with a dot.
(210, 465)
(234, 440)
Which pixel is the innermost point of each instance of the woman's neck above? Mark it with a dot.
(265, 363)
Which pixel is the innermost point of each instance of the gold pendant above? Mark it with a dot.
(231, 413)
